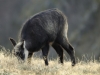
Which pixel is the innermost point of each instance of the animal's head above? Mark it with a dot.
(18, 49)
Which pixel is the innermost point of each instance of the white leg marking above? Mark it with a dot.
(25, 51)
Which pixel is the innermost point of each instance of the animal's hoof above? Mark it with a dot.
(73, 64)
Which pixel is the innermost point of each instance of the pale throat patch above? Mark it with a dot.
(26, 52)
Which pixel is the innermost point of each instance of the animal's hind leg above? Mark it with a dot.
(45, 51)
(63, 41)
(59, 51)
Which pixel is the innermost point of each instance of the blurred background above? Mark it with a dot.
(83, 19)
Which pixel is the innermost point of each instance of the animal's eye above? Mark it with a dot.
(17, 53)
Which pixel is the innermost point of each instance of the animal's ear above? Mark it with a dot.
(12, 41)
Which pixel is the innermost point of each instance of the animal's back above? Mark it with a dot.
(45, 25)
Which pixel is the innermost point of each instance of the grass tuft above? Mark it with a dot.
(10, 66)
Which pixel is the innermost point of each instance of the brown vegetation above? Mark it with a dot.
(10, 66)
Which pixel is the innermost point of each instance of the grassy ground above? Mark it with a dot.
(10, 66)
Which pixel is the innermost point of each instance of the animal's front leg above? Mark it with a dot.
(30, 57)
(45, 51)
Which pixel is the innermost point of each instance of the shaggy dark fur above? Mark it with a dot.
(43, 29)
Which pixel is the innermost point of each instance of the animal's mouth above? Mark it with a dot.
(20, 58)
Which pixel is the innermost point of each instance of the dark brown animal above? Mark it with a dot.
(46, 28)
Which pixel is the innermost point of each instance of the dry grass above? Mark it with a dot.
(10, 66)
